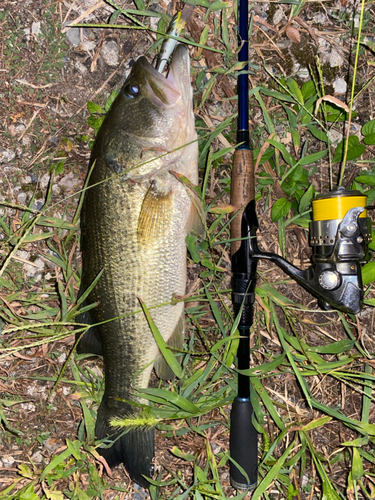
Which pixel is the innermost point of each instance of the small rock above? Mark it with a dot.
(81, 67)
(73, 35)
(335, 59)
(22, 254)
(334, 136)
(110, 53)
(21, 198)
(28, 406)
(33, 270)
(215, 447)
(35, 29)
(305, 480)
(26, 180)
(319, 18)
(278, 16)
(52, 444)
(30, 390)
(62, 358)
(44, 181)
(38, 205)
(140, 494)
(340, 86)
(154, 21)
(26, 140)
(8, 461)
(7, 155)
(66, 391)
(69, 181)
(16, 129)
(88, 45)
(27, 33)
(303, 73)
(37, 457)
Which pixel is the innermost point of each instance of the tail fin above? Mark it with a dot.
(135, 449)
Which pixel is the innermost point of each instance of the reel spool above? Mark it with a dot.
(339, 234)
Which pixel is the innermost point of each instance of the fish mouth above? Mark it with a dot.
(167, 90)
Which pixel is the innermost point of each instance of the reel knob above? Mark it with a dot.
(329, 280)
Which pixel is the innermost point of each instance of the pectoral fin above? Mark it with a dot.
(156, 213)
(176, 340)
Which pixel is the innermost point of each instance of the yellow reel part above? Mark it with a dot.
(336, 207)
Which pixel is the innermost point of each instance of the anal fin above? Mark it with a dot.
(90, 342)
(197, 219)
(176, 340)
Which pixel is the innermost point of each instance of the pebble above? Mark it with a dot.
(16, 129)
(22, 198)
(37, 457)
(34, 270)
(154, 21)
(8, 460)
(44, 181)
(80, 67)
(335, 59)
(7, 155)
(319, 18)
(36, 29)
(278, 16)
(56, 189)
(73, 35)
(38, 205)
(30, 390)
(26, 140)
(110, 53)
(340, 86)
(88, 45)
(303, 73)
(28, 406)
(140, 494)
(69, 181)
(22, 254)
(52, 444)
(26, 180)
(334, 136)
(66, 390)
(62, 358)
(215, 447)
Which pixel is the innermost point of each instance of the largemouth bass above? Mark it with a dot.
(134, 222)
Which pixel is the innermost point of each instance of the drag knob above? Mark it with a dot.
(329, 280)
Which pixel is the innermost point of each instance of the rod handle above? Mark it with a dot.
(242, 190)
(243, 445)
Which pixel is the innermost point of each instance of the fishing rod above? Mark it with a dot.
(340, 232)
(243, 436)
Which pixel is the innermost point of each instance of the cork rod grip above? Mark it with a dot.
(242, 190)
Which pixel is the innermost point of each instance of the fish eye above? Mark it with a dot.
(131, 91)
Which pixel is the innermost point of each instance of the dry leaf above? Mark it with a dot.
(293, 34)
(332, 99)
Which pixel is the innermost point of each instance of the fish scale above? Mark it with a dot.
(134, 221)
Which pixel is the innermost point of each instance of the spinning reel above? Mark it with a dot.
(339, 234)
